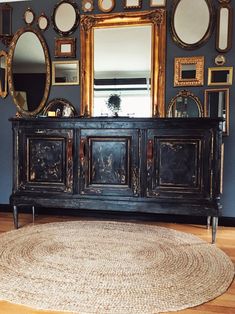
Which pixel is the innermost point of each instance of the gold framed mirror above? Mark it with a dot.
(185, 105)
(216, 105)
(189, 71)
(132, 4)
(220, 76)
(3, 74)
(135, 27)
(29, 75)
(59, 107)
(157, 3)
(87, 5)
(65, 72)
(29, 16)
(106, 5)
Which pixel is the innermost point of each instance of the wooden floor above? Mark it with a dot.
(225, 241)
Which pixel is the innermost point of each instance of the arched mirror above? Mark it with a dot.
(185, 105)
(191, 22)
(29, 73)
(123, 54)
(65, 17)
(3, 73)
(59, 107)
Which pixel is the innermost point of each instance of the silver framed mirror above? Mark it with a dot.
(29, 16)
(191, 22)
(106, 5)
(3, 74)
(65, 17)
(224, 27)
(29, 74)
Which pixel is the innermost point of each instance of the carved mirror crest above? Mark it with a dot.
(138, 43)
(191, 22)
(185, 105)
(65, 17)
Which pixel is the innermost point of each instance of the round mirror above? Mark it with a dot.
(43, 22)
(29, 73)
(191, 22)
(87, 5)
(185, 105)
(29, 16)
(65, 17)
(106, 5)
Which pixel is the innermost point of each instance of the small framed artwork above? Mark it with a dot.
(157, 3)
(220, 76)
(189, 71)
(216, 105)
(65, 47)
(132, 4)
(65, 72)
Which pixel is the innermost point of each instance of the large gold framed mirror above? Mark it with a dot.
(3, 74)
(29, 74)
(124, 54)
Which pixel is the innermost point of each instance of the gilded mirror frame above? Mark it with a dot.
(206, 35)
(188, 94)
(157, 19)
(229, 80)
(4, 93)
(10, 74)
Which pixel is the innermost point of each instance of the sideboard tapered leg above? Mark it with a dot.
(15, 216)
(214, 228)
(208, 222)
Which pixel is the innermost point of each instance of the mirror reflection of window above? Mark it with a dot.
(220, 76)
(188, 71)
(122, 65)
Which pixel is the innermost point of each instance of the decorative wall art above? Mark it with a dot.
(224, 27)
(132, 4)
(29, 16)
(220, 60)
(220, 76)
(189, 71)
(87, 5)
(43, 22)
(106, 5)
(65, 47)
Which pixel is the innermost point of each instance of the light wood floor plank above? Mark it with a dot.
(224, 304)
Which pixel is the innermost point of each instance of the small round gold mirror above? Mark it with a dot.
(106, 5)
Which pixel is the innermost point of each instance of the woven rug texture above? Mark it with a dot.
(110, 268)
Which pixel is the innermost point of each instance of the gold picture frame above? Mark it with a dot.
(216, 105)
(189, 71)
(220, 76)
(65, 72)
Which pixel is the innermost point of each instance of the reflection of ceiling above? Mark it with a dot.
(122, 52)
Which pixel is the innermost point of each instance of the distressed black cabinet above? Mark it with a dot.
(166, 165)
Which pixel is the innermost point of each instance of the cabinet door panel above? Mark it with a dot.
(47, 162)
(109, 162)
(179, 166)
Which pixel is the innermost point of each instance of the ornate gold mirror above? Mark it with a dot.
(191, 22)
(3, 73)
(29, 73)
(65, 17)
(185, 105)
(124, 54)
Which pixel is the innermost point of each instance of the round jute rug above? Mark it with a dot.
(110, 267)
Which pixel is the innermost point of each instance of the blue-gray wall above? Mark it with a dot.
(72, 93)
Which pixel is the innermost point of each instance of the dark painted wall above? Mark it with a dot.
(72, 93)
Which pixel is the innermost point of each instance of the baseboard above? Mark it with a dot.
(183, 219)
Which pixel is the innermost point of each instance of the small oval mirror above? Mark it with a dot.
(3, 73)
(29, 16)
(43, 22)
(224, 28)
(191, 22)
(106, 5)
(65, 17)
(185, 105)
(29, 74)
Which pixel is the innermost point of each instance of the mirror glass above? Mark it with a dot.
(3, 74)
(43, 22)
(59, 107)
(65, 73)
(220, 76)
(65, 17)
(191, 22)
(106, 5)
(188, 71)
(29, 17)
(224, 27)
(29, 73)
(125, 72)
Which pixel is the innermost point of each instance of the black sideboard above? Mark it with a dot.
(164, 165)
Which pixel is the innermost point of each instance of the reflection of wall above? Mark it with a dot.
(72, 93)
(30, 82)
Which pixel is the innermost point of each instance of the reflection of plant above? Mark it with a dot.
(114, 103)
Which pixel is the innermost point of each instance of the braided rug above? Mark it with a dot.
(109, 268)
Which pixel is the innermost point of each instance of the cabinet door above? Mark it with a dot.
(109, 162)
(45, 163)
(179, 164)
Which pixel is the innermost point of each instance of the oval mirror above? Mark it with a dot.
(224, 28)
(106, 5)
(65, 17)
(29, 16)
(185, 105)
(43, 22)
(191, 22)
(29, 73)
(3, 73)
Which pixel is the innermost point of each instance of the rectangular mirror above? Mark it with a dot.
(220, 76)
(65, 72)
(216, 104)
(157, 3)
(224, 27)
(65, 47)
(189, 71)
